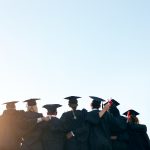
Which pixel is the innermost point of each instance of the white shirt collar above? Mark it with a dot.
(95, 109)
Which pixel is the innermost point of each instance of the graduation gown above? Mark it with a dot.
(53, 135)
(75, 123)
(122, 137)
(100, 130)
(12, 125)
(32, 138)
(99, 134)
(138, 138)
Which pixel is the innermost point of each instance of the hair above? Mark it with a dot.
(133, 119)
(52, 113)
(73, 105)
(95, 104)
(12, 106)
(114, 111)
(32, 108)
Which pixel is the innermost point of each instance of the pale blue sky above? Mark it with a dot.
(53, 49)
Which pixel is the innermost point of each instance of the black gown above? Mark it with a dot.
(100, 130)
(53, 135)
(77, 125)
(122, 137)
(138, 138)
(12, 128)
(32, 139)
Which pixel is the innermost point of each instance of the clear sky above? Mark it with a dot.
(53, 49)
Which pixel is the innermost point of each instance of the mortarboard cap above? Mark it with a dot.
(97, 99)
(11, 104)
(113, 102)
(32, 101)
(131, 112)
(72, 99)
(52, 107)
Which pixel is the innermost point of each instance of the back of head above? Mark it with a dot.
(133, 119)
(11, 105)
(114, 111)
(73, 101)
(52, 108)
(32, 105)
(95, 104)
(132, 116)
(32, 108)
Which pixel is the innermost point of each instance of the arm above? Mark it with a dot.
(104, 110)
(137, 127)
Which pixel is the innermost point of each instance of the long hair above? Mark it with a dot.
(133, 119)
(32, 108)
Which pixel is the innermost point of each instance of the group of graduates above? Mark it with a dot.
(97, 129)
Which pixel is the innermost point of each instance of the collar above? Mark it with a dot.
(51, 115)
(95, 109)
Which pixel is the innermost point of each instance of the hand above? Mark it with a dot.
(46, 118)
(107, 106)
(104, 110)
(113, 137)
(69, 135)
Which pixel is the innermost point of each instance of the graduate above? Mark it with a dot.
(9, 138)
(74, 125)
(113, 108)
(119, 137)
(53, 134)
(100, 122)
(99, 134)
(138, 137)
(32, 140)
(12, 127)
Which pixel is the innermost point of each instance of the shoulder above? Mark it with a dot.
(93, 113)
(40, 114)
(137, 127)
(67, 113)
(33, 114)
(84, 112)
(20, 111)
(55, 119)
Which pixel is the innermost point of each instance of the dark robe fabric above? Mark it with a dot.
(138, 138)
(122, 137)
(99, 134)
(32, 138)
(79, 128)
(53, 135)
(100, 130)
(12, 126)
